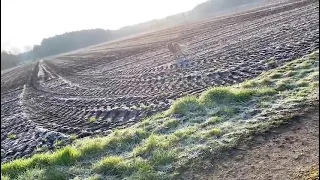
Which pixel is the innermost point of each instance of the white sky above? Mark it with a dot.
(26, 22)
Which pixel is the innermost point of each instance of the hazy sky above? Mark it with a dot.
(26, 22)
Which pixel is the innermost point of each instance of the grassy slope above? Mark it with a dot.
(193, 128)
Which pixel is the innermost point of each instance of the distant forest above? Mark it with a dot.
(8, 60)
(79, 39)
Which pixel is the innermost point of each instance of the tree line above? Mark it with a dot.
(74, 40)
(8, 60)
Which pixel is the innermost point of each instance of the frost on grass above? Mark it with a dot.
(156, 147)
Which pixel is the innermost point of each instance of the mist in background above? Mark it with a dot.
(24, 24)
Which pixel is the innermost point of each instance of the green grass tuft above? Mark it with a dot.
(265, 81)
(271, 62)
(266, 91)
(159, 116)
(214, 132)
(315, 84)
(112, 165)
(12, 136)
(163, 157)
(52, 173)
(140, 165)
(73, 137)
(226, 95)
(185, 105)
(96, 177)
(92, 119)
(64, 156)
(275, 75)
(302, 83)
(284, 84)
(154, 142)
(303, 73)
(171, 123)
(118, 166)
(58, 144)
(119, 140)
(291, 73)
(4, 177)
(126, 137)
(213, 120)
(184, 133)
(15, 167)
(249, 84)
(314, 76)
(90, 147)
(32, 174)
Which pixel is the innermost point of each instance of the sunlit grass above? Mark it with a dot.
(185, 105)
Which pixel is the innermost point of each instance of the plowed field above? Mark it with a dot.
(115, 84)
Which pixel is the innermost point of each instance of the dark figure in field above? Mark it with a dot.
(175, 49)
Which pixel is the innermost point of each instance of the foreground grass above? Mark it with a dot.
(193, 128)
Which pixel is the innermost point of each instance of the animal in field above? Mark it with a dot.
(175, 49)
